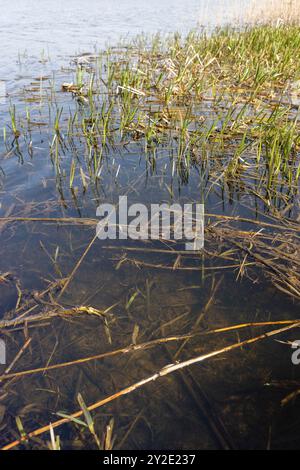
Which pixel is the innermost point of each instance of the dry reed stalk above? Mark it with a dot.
(209, 303)
(57, 220)
(76, 267)
(144, 346)
(168, 369)
(116, 352)
(46, 314)
(272, 12)
(7, 374)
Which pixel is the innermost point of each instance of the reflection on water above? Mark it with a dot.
(54, 29)
(147, 290)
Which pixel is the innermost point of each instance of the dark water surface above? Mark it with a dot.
(179, 411)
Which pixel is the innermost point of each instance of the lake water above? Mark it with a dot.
(38, 41)
(63, 28)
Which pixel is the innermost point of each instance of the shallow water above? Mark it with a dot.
(176, 411)
(58, 29)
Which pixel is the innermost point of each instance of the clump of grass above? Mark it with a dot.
(226, 95)
(225, 101)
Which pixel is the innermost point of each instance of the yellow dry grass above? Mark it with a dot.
(249, 12)
(273, 12)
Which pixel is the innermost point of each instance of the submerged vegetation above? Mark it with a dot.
(206, 118)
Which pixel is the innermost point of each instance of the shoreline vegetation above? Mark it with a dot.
(228, 103)
(225, 103)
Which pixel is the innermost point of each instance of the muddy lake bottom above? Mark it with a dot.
(121, 293)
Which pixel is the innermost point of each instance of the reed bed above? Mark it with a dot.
(228, 102)
(224, 106)
(273, 12)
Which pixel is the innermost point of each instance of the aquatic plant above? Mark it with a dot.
(202, 115)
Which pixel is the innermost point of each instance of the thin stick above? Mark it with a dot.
(92, 222)
(183, 268)
(201, 315)
(127, 349)
(6, 374)
(70, 277)
(61, 220)
(250, 324)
